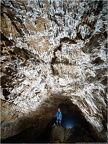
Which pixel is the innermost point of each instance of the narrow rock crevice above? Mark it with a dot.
(67, 40)
(53, 61)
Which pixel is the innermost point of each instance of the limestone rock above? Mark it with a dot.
(52, 51)
(57, 134)
(67, 135)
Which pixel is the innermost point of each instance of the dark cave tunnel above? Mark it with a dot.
(71, 116)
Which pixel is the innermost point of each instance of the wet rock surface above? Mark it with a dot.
(51, 52)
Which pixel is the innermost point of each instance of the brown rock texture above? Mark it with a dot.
(51, 52)
(69, 135)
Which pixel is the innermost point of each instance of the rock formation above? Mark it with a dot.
(70, 135)
(52, 52)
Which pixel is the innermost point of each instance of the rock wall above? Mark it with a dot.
(52, 50)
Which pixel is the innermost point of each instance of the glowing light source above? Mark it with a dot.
(68, 124)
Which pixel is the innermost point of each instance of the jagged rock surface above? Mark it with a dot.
(52, 51)
(67, 135)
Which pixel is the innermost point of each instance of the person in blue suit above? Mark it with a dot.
(58, 117)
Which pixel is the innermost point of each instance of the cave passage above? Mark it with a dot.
(70, 119)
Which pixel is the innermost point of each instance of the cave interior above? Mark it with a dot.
(72, 116)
